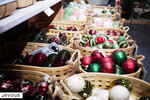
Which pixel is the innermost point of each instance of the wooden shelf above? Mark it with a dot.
(21, 15)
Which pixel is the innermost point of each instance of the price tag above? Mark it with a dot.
(49, 12)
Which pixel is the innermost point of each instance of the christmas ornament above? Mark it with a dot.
(92, 42)
(53, 39)
(75, 83)
(119, 57)
(119, 34)
(39, 59)
(42, 88)
(100, 46)
(107, 45)
(27, 82)
(111, 34)
(93, 47)
(93, 98)
(51, 27)
(108, 67)
(66, 17)
(71, 28)
(124, 82)
(119, 70)
(28, 59)
(129, 66)
(94, 67)
(86, 92)
(96, 56)
(92, 32)
(86, 60)
(6, 87)
(123, 44)
(105, 59)
(104, 11)
(100, 39)
(119, 92)
(39, 97)
(28, 91)
(115, 46)
(93, 37)
(17, 85)
(85, 37)
(59, 61)
(65, 53)
(51, 58)
(121, 38)
(111, 31)
(110, 41)
(62, 36)
(87, 46)
(103, 94)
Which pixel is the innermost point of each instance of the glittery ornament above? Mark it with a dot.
(96, 56)
(108, 67)
(42, 88)
(94, 67)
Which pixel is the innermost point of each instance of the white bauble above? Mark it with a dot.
(82, 17)
(93, 98)
(73, 18)
(95, 91)
(75, 83)
(108, 24)
(103, 94)
(119, 92)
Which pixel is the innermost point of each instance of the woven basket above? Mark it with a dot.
(91, 19)
(12, 49)
(64, 25)
(138, 58)
(25, 3)
(7, 9)
(123, 30)
(76, 22)
(99, 80)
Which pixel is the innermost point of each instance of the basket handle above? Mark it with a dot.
(139, 59)
(67, 89)
(71, 59)
(126, 28)
(128, 37)
(122, 21)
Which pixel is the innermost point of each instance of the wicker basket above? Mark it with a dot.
(12, 49)
(123, 30)
(25, 3)
(91, 19)
(7, 9)
(100, 80)
(64, 25)
(136, 74)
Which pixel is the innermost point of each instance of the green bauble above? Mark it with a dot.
(93, 37)
(48, 64)
(111, 11)
(65, 53)
(124, 82)
(110, 38)
(119, 57)
(104, 11)
(123, 44)
(68, 11)
(107, 45)
(66, 17)
(51, 57)
(93, 47)
(92, 42)
(87, 90)
(100, 46)
(119, 71)
(94, 67)
(121, 38)
(85, 37)
(104, 36)
(115, 46)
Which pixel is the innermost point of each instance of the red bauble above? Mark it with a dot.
(105, 59)
(96, 56)
(119, 34)
(53, 39)
(108, 67)
(42, 88)
(110, 41)
(111, 31)
(28, 59)
(39, 59)
(130, 66)
(92, 32)
(28, 91)
(62, 36)
(100, 40)
(87, 46)
(6, 87)
(86, 60)
(51, 27)
(60, 61)
(111, 34)
(71, 29)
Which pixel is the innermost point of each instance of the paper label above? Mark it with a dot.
(49, 12)
(49, 49)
